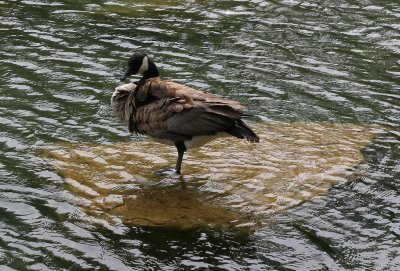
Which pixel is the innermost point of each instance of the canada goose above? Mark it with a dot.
(175, 114)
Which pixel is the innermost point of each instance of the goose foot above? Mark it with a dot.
(166, 171)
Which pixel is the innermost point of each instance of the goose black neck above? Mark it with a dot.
(151, 71)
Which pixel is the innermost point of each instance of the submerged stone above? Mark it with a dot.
(227, 182)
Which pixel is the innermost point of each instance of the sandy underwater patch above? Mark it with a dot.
(227, 182)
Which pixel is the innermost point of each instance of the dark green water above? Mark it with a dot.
(288, 61)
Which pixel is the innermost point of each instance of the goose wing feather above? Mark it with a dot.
(179, 112)
(155, 87)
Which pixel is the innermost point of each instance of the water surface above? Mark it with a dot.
(320, 192)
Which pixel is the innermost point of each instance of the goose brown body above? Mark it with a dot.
(179, 115)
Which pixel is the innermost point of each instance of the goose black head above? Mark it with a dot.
(140, 63)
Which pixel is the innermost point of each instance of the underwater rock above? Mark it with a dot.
(227, 182)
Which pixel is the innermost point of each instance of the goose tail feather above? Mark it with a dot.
(241, 130)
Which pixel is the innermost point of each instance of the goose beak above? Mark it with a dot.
(126, 74)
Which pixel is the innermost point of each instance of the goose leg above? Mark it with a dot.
(180, 146)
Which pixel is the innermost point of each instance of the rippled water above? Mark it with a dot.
(320, 191)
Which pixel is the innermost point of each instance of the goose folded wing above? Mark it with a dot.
(154, 88)
(200, 120)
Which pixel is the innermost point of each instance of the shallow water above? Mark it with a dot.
(227, 183)
(319, 192)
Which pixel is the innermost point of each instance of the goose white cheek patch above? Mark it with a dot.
(145, 65)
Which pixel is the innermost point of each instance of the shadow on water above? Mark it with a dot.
(226, 183)
(197, 249)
